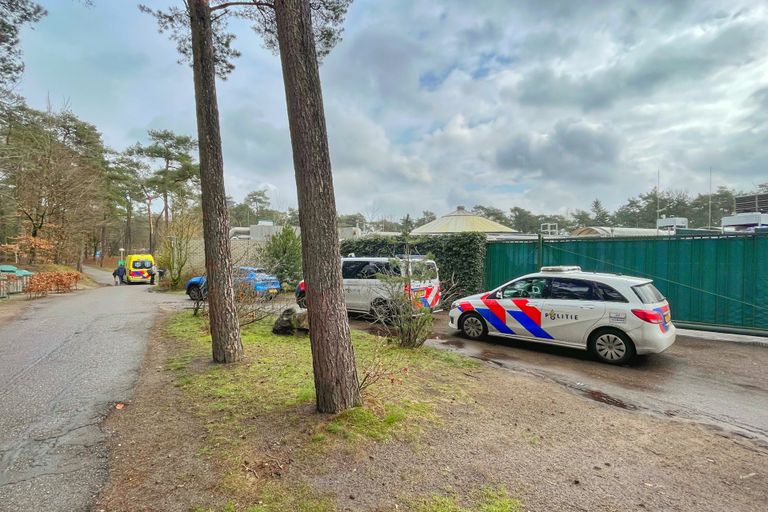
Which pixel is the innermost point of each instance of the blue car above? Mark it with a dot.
(251, 277)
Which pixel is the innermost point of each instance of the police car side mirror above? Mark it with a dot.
(499, 294)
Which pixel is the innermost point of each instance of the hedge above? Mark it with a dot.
(460, 257)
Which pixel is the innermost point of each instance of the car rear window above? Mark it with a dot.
(647, 293)
(608, 293)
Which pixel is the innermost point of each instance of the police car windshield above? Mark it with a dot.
(648, 294)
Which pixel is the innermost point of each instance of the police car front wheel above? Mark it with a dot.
(611, 346)
(473, 326)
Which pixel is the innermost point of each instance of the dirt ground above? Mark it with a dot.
(550, 449)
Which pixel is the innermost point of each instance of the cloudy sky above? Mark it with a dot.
(544, 104)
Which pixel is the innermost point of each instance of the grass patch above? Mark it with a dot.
(278, 497)
(488, 499)
(276, 378)
(259, 415)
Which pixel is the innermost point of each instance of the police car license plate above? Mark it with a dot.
(272, 290)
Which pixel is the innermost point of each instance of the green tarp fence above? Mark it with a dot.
(708, 280)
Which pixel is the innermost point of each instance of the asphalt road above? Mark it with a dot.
(63, 364)
(720, 383)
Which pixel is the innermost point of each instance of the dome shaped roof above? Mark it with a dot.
(460, 221)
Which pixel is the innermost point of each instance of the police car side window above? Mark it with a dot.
(352, 269)
(608, 293)
(570, 289)
(388, 269)
(372, 271)
(534, 288)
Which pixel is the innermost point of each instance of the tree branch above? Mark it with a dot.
(245, 4)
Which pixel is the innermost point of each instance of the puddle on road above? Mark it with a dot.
(490, 355)
(605, 398)
(453, 343)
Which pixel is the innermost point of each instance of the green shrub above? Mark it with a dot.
(282, 253)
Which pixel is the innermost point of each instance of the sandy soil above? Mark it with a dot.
(551, 449)
(154, 448)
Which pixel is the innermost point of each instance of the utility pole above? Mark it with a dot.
(658, 198)
(709, 225)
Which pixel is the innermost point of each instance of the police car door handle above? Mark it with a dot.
(587, 307)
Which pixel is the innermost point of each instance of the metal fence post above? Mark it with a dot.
(540, 255)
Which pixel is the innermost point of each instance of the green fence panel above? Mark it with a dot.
(506, 260)
(712, 280)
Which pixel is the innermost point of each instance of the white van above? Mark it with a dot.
(363, 289)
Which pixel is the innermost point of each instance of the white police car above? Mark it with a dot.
(612, 316)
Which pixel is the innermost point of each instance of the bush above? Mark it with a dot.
(174, 251)
(282, 255)
(460, 257)
(402, 317)
(41, 283)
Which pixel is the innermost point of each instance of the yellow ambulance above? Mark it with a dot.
(138, 268)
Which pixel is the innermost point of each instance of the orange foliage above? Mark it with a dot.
(26, 246)
(43, 282)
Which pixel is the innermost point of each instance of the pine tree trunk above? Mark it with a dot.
(149, 218)
(128, 216)
(103, 241)
(333, 357)
(166, 209)
(80, 258)
(225, 326)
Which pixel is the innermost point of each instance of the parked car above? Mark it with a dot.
(364, 290)
(613, 316)
(253, 277)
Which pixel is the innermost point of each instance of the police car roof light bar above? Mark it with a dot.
(561, 269)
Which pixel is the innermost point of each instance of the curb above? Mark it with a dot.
(744, 339)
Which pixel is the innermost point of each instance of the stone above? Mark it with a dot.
(292, 319)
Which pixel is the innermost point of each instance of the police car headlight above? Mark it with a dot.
(454, 305)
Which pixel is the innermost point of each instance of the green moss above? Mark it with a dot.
(276, 497)
(488, 499)
(438, 504)
(364, 423)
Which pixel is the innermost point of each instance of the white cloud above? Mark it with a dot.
(430, 104)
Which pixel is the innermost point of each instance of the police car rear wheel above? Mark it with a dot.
(473, 326)
(612, 346)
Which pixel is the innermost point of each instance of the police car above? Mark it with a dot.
(613, 316)
(364, 291)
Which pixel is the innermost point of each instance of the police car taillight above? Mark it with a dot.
(650, 316)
